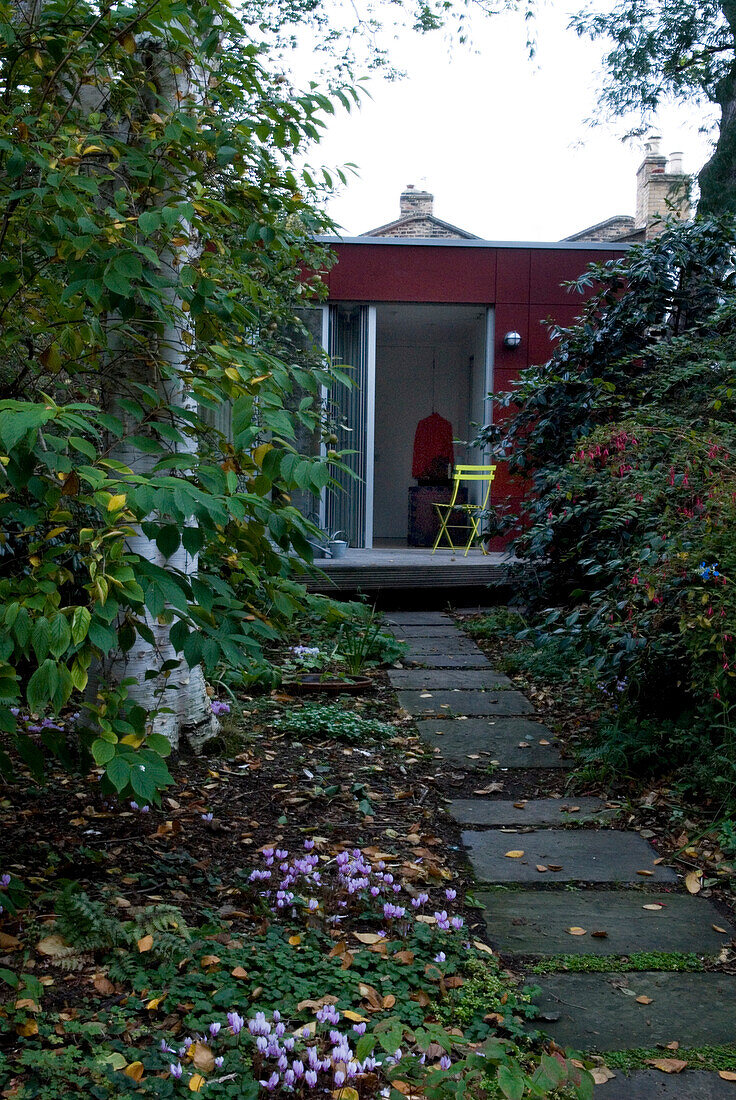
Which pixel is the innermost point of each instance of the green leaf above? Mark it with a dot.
(42, 685)
(149, 221)
(102, 751)
(61, 635)
(168, 540)
(118, 772)
(511, 1082)
(159, 744)
(41, 638)
(80, 624)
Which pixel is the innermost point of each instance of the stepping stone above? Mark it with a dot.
(465, 702)
(447, 660)
(478, 742)
(590, 1011)
(407, 633)
(652, 1084)
(535, 922)
(583, 855)
(419, 618)
(422, 646)
(432, 679)
(535, 811)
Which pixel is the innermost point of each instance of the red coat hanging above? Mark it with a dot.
(433, 449)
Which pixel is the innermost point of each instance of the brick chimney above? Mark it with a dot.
(662, 189)
(415, 202)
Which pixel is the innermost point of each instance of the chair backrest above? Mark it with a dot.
(464, 472)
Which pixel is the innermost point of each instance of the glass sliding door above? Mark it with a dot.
(352, 346)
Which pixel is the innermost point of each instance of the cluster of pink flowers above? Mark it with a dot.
(294, 882)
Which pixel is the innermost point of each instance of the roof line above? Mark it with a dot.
(444, 242)
(419, 217)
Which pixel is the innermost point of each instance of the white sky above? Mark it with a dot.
(500, 140)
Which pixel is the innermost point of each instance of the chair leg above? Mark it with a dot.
(443, 527)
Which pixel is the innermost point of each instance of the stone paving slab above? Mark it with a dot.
(440, 646)
(472, 659)
(592, 1013)
(465, 702)
(419, 618)
(652, 1084)
(535, 811)
(477, 742)
(430, 679)
(535, 922)
(584, 856)
(441, 630)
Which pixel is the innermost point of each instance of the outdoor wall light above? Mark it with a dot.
(512, 340)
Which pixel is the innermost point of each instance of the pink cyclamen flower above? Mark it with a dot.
(176, 1070)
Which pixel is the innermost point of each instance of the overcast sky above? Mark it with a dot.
(500, 140)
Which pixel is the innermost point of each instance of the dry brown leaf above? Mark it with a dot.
(646, 874)
(405, 956)
(600, 934)
(29, 1003)
(27, 1029)
(667, 1065)
(239, 972)
(367, 937)
(520, 805)
(389, 1000)
(8, 942)
(480, 946)
(717, 928)
(601, 1074)
(544, 742)
(554, 866)
(541, 868)
(103, 985)
(694, 882)
(53, 946)
(207, 962)
(202, 1056)
(643, 1000)
(145, 943)
(727, 1075)
(515, 853)
(575, 931)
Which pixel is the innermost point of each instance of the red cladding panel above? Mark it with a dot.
(402, 273)
(513, 272)
(552, 267)
(511, 318)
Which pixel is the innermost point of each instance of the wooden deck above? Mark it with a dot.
(370, 570)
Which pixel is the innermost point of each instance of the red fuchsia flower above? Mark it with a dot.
(672, 475)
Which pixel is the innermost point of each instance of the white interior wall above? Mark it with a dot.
(408, 337)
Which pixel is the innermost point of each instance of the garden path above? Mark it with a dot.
(558, 877)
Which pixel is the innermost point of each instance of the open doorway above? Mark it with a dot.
(430, 359)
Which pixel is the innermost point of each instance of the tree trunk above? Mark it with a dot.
(717, 178)
(158, 358)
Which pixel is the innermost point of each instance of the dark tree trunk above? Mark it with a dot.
(718, 177)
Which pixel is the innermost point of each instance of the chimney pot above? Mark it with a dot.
(675, 164)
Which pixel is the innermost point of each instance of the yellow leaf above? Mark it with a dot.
(153, 1005)
(196, 1081)
(694, 882)
(347, 1093)
(295, 940)
(92, 149)
(727, 1074)
(354, 1017)
(233, 375)
(260, 453)
(134, 739)
(515, 853)
(134, 1071)
(128, 43)
(29, 1028)
(116, 502)
(575, 931)
(145, 943)
(667, 1065)
(260, 378)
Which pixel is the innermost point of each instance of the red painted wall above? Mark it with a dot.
(523, 283)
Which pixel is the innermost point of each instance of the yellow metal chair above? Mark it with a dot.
(473, 514)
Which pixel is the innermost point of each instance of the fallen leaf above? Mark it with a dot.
(727, 1075)
(694, 882)
(644, 1000)
(354, 1017)
(554, 866)
(575, 931)
(53, 946)
(667, 1065)
(654, 906)
(27, 1029)
(207, 962)
(134, 1071)
(294, 941)
(717, 928)
(366, 937)
(8, 942)
(541, 868)
(405, 956)
(202, 1056)
(145, 943)
(600, 934)
(601, 1074)
(519, 805)
(389, 1000)
(645, 873)
(347, 1093)
(544, 742)
(239, 972)
(196, 1081)
(515, 853)
(29, 1003)
(153, 1005)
